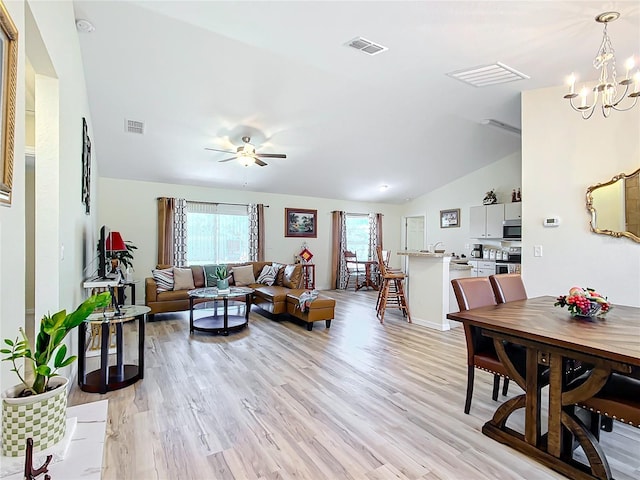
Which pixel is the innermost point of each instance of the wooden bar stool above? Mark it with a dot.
(391, 291)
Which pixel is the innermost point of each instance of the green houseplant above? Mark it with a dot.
(36, 408)
(222, 276)
(125, 257)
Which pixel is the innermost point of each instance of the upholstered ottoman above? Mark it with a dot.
(322, 308)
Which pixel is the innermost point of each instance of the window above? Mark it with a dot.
(217, 234)
(358, 235)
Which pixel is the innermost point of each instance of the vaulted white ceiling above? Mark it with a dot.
(204, 74)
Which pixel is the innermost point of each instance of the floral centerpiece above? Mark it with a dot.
(584, 302)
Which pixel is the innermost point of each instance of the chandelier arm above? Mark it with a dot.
(615, 106)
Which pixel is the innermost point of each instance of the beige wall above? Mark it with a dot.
(562, 155)
(130, 207)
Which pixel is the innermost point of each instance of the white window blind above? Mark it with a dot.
(217, 233)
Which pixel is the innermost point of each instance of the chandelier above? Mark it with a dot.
(608, 91)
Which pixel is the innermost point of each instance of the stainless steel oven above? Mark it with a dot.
(507, 267)
(512, 229)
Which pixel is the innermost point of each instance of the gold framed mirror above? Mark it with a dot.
(615, 206)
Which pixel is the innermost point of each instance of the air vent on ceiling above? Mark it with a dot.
(134, 126)
(492, 122)
(366, 46)
(486, 75)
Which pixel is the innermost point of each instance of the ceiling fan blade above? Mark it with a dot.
(271, 155)
(259, 162)
(227, 159)
(217, 150)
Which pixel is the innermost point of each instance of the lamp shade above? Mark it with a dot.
(115, 243)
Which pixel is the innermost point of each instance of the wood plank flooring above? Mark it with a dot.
(360, 400)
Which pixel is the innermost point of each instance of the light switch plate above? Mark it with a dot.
(537, 250)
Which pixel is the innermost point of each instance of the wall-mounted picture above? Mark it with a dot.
(450, 218)
(8, 82)
(299, 222)
(86, 168)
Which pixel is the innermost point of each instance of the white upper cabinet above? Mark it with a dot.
(486, 221)
(513, 211)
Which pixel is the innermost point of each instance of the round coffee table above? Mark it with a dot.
(215, 323)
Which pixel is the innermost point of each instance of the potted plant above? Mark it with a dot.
(36, 407)
(222, 276)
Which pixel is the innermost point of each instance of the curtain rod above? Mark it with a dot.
(218, 203)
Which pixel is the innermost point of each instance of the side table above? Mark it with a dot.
(108, 378)
(309, 276)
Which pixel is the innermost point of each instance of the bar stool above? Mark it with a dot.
(391, 291)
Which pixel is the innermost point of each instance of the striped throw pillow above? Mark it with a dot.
(164, 279)
(268, 275)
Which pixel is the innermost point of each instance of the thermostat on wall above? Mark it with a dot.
(551, 222)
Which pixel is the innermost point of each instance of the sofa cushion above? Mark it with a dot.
(198, 275)
(173, 295)
(243, 275)
(280, 275)
(183, 279)
(164, 279)
(273, 294)
(292, 274)
(268, 275)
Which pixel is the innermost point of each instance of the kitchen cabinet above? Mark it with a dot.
(513, 211)
(482, 268)
(485, 221)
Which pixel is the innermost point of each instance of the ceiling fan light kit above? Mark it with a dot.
(606, 91)
(246, 154)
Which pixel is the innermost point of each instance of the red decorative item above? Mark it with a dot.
(115, 243)
(306, 255)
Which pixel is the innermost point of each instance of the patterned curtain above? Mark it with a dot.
(180, 233)
(256, 232)
(339, 242)
(373, 236)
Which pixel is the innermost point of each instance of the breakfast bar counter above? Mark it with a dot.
(429, 287)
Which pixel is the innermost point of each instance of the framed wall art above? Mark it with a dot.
(86, 168)
(299, 222)
(450, 218)
(8, 82)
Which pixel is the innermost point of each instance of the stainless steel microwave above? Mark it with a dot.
(512, 229)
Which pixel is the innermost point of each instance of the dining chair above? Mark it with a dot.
(508, 287)
(391, 290)
(475, 292)
(619, 399)
(354, 269)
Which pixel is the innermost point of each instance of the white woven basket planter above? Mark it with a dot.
(41, 417)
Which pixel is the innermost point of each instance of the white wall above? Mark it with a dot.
(562, 155)
(55, 53)
(504, 175)
(12, 220)
(130, 207)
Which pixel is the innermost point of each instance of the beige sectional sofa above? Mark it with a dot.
(280, 298)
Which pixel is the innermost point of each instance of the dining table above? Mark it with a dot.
(553, 339)
(370, 274)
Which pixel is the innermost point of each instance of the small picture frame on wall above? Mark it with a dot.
(299, 222)
(450, 218)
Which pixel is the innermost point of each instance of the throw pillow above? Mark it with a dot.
(164, 279)
(280, 275)
(268, 275)
(183, 279)
(292, 274)
(210, 279)
(243, 275)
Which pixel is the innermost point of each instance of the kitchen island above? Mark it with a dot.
(429, 289)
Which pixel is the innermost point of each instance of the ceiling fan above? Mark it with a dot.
(247, 154)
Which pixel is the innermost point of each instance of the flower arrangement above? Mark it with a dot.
(584, 302)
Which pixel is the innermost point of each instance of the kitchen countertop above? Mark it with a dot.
(417, 253)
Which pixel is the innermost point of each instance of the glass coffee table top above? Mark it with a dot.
(213, 292)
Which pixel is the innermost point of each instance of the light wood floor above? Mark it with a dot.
(357, 401)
